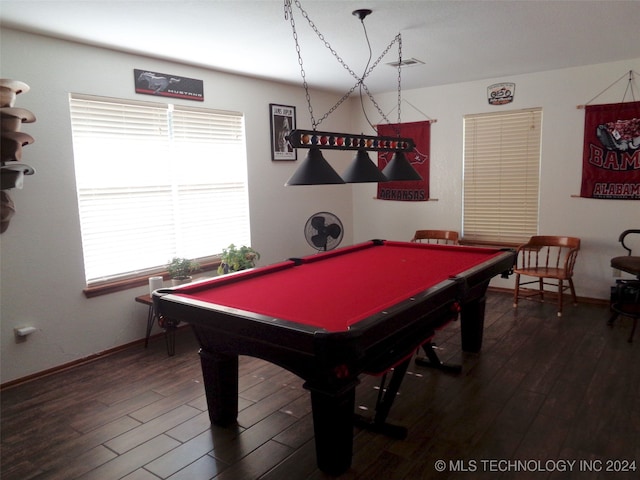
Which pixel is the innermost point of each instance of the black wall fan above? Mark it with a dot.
(323, 231)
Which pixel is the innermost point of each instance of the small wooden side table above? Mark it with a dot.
(169, 328)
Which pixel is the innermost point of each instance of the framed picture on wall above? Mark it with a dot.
(283, 120)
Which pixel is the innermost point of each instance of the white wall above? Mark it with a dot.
(42, 273)
(597, 222)
(41, 261)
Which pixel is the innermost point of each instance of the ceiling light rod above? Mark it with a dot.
(347, 141)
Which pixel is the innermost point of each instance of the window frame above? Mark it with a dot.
(205, 128)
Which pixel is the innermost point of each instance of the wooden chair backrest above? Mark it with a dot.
(546, 251)
(436, 236)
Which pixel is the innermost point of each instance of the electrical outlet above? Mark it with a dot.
(22, 333)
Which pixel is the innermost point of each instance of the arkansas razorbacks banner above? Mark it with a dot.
(412, 190)
(611, 157)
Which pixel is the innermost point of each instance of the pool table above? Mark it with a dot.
(331, 317)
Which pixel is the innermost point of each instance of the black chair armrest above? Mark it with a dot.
(623, 235)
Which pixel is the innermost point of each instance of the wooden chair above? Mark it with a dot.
(547, 258)
(444, 237)
(625, 296)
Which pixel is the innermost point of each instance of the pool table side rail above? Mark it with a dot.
(249, 333)
(501, 264)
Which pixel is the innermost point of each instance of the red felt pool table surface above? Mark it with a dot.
(337, 289)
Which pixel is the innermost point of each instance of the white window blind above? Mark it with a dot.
(156, 181)
(501, 176)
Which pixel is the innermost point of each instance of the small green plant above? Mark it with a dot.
(235, 259)
(180, 268)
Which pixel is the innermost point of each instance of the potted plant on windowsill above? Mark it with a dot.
(234, 259)
(180, 270)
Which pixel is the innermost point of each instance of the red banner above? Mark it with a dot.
(414, 190)
(611, 156)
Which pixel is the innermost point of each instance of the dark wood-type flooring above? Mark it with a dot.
(544, 389)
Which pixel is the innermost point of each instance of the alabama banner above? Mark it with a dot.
(611, 157)
(414, 190)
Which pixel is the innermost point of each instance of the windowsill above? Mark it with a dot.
(476, 243)
(212, 265)
(126, 284)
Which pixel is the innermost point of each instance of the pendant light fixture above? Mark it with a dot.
(399, 169)
(315, 170)
(363, 170)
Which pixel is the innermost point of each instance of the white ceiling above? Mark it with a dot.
(457, 40)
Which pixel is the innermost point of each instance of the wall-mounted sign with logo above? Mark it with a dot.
(501, 93)
(164, 85)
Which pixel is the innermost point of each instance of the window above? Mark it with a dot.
(156, 181)
(501, 176)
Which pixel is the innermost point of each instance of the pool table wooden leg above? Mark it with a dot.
(472, 324)
(220, 375)
(333, 427)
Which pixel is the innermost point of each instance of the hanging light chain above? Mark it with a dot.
(288, 13)
(326, 42)
(360, 82)
(398, 39)
(399, 78)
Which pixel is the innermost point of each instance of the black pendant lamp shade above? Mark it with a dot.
(400, 169)
(315, 170)
(363, 170)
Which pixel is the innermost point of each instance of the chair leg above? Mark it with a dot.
(560, 290)
(516, 291)
(636, 315)
(633, 329)
(541, 288)
(573, 292)
(622, 304)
